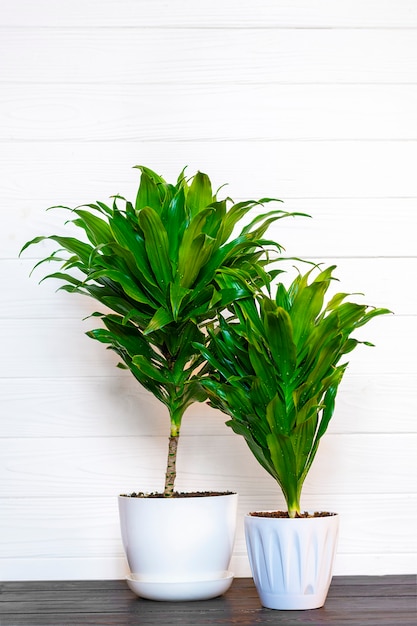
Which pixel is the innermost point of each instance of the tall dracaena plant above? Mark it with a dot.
(280, 362)
(163, 267)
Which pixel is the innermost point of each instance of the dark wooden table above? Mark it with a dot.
(360, 600)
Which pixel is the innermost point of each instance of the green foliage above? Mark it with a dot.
(163, 268)
(280, 362)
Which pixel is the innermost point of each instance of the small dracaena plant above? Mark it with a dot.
(279, 364)
(164, 267)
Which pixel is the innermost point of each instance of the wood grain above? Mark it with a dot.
(217, 13)
(311, 101)
(351, 600)
(362, 464)
(37, 176)
(201, 112)
(173, 56)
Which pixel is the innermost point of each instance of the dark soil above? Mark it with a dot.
(195, 494)
(284, 514)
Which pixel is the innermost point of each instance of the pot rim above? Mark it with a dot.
(187, 495)
(322, 515)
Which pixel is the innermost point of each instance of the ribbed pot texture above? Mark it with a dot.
(292, 559)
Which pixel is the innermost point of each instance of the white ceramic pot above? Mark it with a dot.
(179, 548)
(292, 559)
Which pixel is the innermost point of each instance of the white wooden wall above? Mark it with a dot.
(312, 101)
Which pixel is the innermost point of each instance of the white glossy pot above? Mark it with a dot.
(292, 559)
(179, 548)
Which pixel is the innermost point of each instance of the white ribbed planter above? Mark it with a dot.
(292, 559)
(179, 548)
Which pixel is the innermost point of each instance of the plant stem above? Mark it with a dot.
(292, 496)
(171, 470)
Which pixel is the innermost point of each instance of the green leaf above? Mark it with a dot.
(149, 194)
(200, 194)
(177, 293)
(81, 249)
(64, 276)
(277, 417)
(176, 222)
(265, 219)
(126, 283)
(130, 239)
(97, 230)
(233, 216)
(156, 244)
(32, 242)
(167, 265)
(161, 318)
(199, 249)
(160, 375)
(279, 331)
(281, 396)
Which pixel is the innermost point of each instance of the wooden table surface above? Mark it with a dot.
(359, 600)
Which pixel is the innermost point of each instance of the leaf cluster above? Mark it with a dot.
(163, 267)
(279, 363)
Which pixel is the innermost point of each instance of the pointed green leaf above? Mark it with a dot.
(279, 330)
(156, 244)
(200, 194)
(161, 318)
(97, 229)
(158, 374)
(149, 194)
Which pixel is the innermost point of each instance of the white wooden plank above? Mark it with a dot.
(365, 464)
(374, 565)
(36, 176)
(376, 281)
(365, 524)
(381, 227)
(232, 14)
(200, 112)
(236, 104)
(53, 348)
(115, 406)
(89, 527)
(348, 464)
(116, 568)
(75, 467)
(42, 568)
(83, 532)
(24, 297)
(369, 276)
(66, 350)
(60, 527)
(367, 404)
(208, 55)
(118, 407)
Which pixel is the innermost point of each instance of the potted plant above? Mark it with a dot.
(280, 361)
(162, 268)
